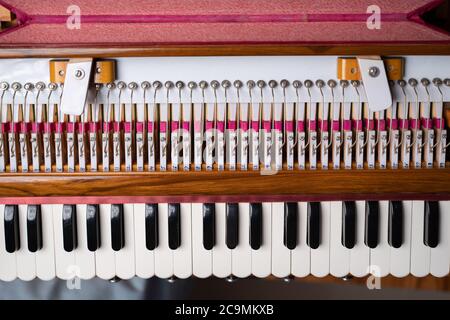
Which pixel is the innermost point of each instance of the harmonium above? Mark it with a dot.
(227, 139)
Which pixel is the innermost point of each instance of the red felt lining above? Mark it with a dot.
(290, 21)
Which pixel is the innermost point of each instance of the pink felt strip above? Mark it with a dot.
(162, 126)
(36, 127)
(370, 124)
(186, 126)
(4, 127)
(128, 127)
(209, 125)
(427, 123)
(439, 123)
(221, 126)
(323, 125)
(82, 127)
(357, 124)
(336, 125)
(14, 127)
(231, 125)
(290, 126)
(347, 125)
(48, 127)
(94, 127)
(60, 126)
(392, 124)
(267, 125)
(278, 125)
(243, 125)
(403, 124)
(255, 126)
(70, 127)
(300, 126)
(312, 125)
(415, 124)
(107, 126)
(117, 126)
(140, 127)
(381, 124)
(197, 126)
(175, 126)
(25, 127)
(150, 126)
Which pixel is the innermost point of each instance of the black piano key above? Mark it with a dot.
(93, 227)
(431, 224)
(232, 225)
(151, 226)
(69, 222)
(395, 230)
(209, 213)
(174, 226)
(256, 225)
(34, 228)
(313, 227)
(117, 227)
(11, 225)
(371, 224)
(348, 224)
(290, 225)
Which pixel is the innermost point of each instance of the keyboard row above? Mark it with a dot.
(223, 239)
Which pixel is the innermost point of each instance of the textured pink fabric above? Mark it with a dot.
(140, 22)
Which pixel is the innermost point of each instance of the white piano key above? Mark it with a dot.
(8, 265)
(440, 256)
(164, 256)
(381, 255)
(84, 258)
(105, 261)
(339, 255)
(26, 260)
(145, 259)
(261, 258)
(281, 255)
(202, 258)
(220, 251)
(45, 258)
(320, 257)
(182, 257)
(420, 253)
(401, 257)
(301, 255)
(125, 268)
(360, 254)
(241, 263)
(65, 261)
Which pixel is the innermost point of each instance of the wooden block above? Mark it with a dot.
(105, 71)
(348, 69)
(5, 14)
(58, 70)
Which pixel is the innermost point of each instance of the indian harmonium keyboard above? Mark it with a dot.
(288, 118)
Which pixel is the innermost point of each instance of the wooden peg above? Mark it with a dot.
(58, 70)
(105, 71)
(348, 69)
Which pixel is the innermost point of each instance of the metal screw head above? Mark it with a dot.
(203, 84)
(402, 83)
(437, 82)
(98, 86)
(226, 84)
(343, 83)
(79, 74)
(168, 84)
(215, 84)
(121, 85)
(28, 86)
(40, 86)
(251, 84)
(192, 85)
(98, 70)
(447, 82)
(52, 86)
(179, 84)
(145, 85)
(272, 84)
(157, 85)
(296, 84)
(261, 84)
(132, 86)
(284, 83)
(374, 72)
(320, 83)
(110, 85)
(355, 83)
(412, 82)
(308, 84)
(61, 72)
(4, 85)
(237, 84)
(331, 83)
(425, 82)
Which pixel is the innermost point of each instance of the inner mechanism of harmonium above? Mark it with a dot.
(89, 119)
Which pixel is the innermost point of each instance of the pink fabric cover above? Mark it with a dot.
(150, 22)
